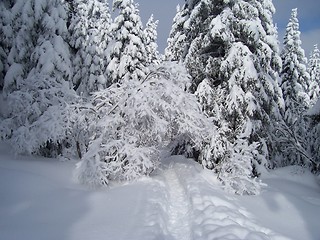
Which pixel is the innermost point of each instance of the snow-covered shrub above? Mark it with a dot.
(134, 121)
(233, 162)
(293, 143)
(236, 174)
(313, 137)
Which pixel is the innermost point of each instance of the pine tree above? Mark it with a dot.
(294, 73)
(314, 71)
(90, 37)
(151, 41)
(128, 57)
(235, 57)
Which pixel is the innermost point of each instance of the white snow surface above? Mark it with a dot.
(180, 201)
(315, 110)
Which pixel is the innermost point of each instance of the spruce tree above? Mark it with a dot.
(37, 84)
(177, 37)
(234, 57)
(24, 40)
(128, 56)
(5, 37)
(90, 36)
(294, 74)
(292, 133)
(314, 71)
(313, 136)
(151, 41)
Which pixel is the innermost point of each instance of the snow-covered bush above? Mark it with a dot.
(134, 121)
(313, 136)
(237, 173)
(233, 162)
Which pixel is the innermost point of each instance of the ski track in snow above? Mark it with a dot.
(179, 207)
(195, 213)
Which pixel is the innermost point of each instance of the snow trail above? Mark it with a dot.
(179, 207)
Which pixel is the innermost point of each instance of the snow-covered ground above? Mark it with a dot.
(40, 201)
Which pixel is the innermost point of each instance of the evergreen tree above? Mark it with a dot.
(37, 86)
(151, 41)
(314, 71)
(292, 133)
(294, 73)
(5, 37)
(234, 57)
(128, 56)
(313, 136)
(90, 37)
(24, 40)
(177, 37)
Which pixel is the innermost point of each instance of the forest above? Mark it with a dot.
(83, 79)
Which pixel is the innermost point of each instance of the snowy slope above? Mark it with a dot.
(39, 200)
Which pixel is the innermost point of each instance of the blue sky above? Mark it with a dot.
(308, 13)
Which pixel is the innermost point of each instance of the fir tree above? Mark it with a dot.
(41, 87)
(177, 37)
(313, 136)
(314, 71)
(294, 73)
(292, 133)
(24, 40)
(128, 56)
(5, 37)
(151, 41)
(90, 37)
(235, 57)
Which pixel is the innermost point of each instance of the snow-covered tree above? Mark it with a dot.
(150, 32)
(313, 136)
(90, 36)
(128, 56)
(292, 133)
(5, 37)
(37, 86)
(23, 42)
(234, 62)
(294, 73)
(177, 37)
(30, 21)
(314, 71)
(135, 120)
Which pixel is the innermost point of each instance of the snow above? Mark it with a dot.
(315, 110)
(180, 201)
